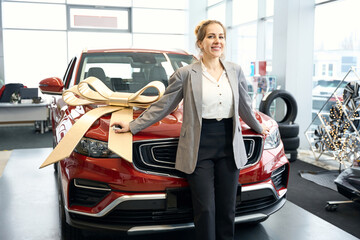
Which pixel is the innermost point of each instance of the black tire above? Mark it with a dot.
(291, 105)
(54, 145)
(293, 155)
(56, 167)
(289, 130)
(291, 143)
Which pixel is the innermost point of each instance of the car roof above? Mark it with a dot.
(171, 51)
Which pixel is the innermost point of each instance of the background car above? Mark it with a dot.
(100, 190)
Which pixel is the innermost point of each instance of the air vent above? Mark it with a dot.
(87, 193)
(279, 177)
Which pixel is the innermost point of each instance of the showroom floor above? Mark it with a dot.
(29, 206)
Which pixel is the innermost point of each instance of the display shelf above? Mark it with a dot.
(335, 131)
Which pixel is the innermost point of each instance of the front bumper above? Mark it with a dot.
(258, 202)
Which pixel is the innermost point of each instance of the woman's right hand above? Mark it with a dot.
(265, 130)
(121, 127)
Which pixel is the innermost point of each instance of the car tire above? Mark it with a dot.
(293, 155)
(291, 143)
(56, 167)
(55, 164)
(289, 130)
(67, 232)
(291, 105)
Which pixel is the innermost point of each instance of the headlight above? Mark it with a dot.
(272, 140)
(94, 148)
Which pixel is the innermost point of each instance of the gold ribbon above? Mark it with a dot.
(120, 104)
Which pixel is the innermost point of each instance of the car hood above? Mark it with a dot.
(168, 127)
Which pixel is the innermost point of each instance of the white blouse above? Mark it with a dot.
(217, 96)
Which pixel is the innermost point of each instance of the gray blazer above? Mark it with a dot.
(186, 84)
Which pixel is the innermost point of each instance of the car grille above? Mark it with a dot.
(158, 156)
(135, 213)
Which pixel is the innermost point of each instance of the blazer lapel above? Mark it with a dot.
(232, 78)
(231, 75)
(196, 84)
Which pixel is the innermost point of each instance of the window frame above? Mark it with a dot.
(87, 7)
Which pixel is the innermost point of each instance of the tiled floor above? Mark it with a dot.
(29, 210)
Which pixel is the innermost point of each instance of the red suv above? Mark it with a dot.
(98, 189)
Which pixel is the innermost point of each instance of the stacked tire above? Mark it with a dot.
(289, 130)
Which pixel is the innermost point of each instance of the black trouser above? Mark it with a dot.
(214, 182)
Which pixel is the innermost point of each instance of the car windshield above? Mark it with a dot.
(130, 71)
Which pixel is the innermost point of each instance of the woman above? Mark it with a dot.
(211, 149)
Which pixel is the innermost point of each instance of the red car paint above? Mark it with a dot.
(124, 179)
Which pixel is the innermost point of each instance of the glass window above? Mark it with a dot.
(31, 56)
(41, 1)
(330, 69)
(122, 3)
(347, 63)
(217, 12)
(269, 27)
(159, 21)
(243, 48)
(336, 49)
(212, 2)
(34, 16)
(157, 41)
(269, 8)
(314, 70)
(84, 18)
(78, 41)
(320, 1)
(170, 4)
(323, 70)
(244, 11)
(336, 39)
(178, 61)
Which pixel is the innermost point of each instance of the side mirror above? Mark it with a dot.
(53, 86)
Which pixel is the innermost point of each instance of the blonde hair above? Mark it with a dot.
(200, 30)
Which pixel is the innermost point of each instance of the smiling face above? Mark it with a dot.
(213, 44)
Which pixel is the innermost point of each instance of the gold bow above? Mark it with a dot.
(120, 104)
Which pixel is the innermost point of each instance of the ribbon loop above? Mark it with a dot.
(94, 91)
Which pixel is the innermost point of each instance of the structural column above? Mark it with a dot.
(197, 13)
(2, 79)
(293, 45)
